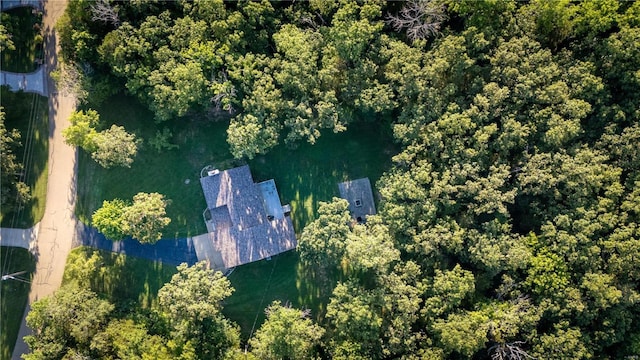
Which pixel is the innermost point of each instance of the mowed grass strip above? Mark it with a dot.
(24, 27)
(29, 113)
(119, 278)
(13, 295)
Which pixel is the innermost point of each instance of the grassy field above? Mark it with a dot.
(25, 34)
(30, 115)
(13, 295)
(119, 278)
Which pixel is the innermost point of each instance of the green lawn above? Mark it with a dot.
(310, 174)
(121, 279)
(201, 143)
(304, 176)
(24, 29)
(29, 114)
(282, 278)
(13, 295)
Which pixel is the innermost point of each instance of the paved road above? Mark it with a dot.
(58, 225)
(53, 237)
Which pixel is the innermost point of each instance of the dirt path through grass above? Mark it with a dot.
(58, 226)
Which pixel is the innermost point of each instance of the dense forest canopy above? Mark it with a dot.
(509, 224)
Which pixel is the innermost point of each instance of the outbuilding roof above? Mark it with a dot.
(360, 197)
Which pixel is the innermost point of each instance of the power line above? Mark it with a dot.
(255, 320)
(27, 155)
(27, 159)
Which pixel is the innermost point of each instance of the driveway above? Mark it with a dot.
(27, 82)
(19, 237)
(10, 4)
(168, 251)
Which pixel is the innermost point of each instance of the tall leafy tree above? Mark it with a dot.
(115, 147)
(82, 130)
(287, 333)
(322, 242)
(110, 147)
(192, 303)
(65, 323)
(14, 191)
(109, 219)
(125, 339)
(145, 218)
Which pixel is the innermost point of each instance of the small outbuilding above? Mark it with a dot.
(360, 197)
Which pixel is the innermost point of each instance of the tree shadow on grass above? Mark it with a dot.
(13, 295)
(28, 113)
(124, 280)
(26, 35)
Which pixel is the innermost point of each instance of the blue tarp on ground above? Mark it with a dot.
(173, 251)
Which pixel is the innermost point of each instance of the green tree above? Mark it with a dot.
(162, 141)
(145, 218)
(5, 40)
(618, 61)
(65, 322)
(355, 319)
(322, 242)
(448, 291)
(82, 270)
(287, 333)
(14, 192)
(110, 147)
(109, 219)
(493, 17)
(553, 21)
(125, 339)
(192, 303)
(370, 247)
(596, 17)
(464, 333)
(82, 131)
(114, 147)
(563, 343)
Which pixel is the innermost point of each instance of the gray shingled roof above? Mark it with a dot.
(242, 232)
(358, 193)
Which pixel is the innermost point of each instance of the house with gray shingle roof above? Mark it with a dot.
(246, 221)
